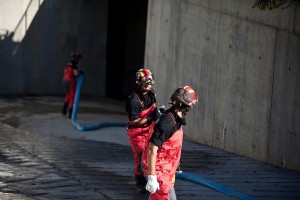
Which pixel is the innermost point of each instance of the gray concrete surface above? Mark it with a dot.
(242, 62)
(43, 157)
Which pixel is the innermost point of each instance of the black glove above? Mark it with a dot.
(155, 115)
(149, 119)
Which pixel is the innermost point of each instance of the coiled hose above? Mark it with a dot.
(82, 127)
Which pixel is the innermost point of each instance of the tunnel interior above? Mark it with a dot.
(126, 33)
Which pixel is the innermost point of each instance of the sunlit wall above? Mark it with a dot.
(16, 18)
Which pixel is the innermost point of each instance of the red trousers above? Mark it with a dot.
(70, 86)
(138, 140)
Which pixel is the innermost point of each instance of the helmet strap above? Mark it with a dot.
(181, 107)
(181, 115)
(185, 110)
(141, 89)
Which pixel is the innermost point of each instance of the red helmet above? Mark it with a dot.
(185, 95)
(144, 76)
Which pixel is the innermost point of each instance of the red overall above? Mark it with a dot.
(138, 139)
(167, 161)
(70, 79)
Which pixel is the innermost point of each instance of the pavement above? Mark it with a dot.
(42, 156)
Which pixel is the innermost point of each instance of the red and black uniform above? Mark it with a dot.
(168, 137)
(140, 105)
(69, 81)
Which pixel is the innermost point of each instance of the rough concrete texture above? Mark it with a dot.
(36, 115)
(42, 156)
(243, 64)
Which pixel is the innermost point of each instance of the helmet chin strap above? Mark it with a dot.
(181, 115)
(185, 110)
(143, 90)
(182, 108)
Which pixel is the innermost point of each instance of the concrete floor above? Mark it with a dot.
(42, 156)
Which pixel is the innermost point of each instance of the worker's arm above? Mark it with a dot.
(152, 184)
(138, 121)
(152, 153)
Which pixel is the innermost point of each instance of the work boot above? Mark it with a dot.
(65, 107)
(70, 113)
(140, 183)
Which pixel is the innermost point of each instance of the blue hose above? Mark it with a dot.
(213, 185)
(88, 127)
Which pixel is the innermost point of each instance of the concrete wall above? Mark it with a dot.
(35, 64)
(244, 65)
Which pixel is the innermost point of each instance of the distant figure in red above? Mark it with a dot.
(69, 80)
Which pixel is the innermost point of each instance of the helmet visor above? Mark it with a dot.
(148, 80)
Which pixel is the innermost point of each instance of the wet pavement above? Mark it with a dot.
(42, 156)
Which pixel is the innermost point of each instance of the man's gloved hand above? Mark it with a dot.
(153, 117)
(152, 184)
(149, 119)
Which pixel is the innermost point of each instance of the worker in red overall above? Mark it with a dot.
(69, 80)
(162, 154)
(142, 113)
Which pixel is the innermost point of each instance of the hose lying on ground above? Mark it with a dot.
(88, 127)
(203, 181)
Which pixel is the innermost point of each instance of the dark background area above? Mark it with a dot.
(126, 31)
(110, 35)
